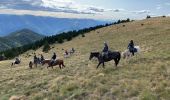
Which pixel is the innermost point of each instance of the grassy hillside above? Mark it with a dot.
(145, 77)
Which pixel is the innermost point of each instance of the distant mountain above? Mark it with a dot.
(19, 38)
(43, 25)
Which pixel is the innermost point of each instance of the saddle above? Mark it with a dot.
(53, 62)
(105, 55)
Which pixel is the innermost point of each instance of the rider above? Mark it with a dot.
(42, 57)
(17, 60)
(53, 58)
(66, 52)
(131, 47)
(73, 50)
(35, 58)
(105, 50)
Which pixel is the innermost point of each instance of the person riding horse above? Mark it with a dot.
(66, 52)
(42, 58)
(131, 47)
(105, 50)
(73, 50)
(35, 58)
(17, 61)
(53, 59)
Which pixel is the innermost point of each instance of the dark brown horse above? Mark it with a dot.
(57, 62)
(111, 56)
(30, 64)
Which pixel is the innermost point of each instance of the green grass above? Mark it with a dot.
(144, 77)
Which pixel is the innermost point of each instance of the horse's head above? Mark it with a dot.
(93, 54)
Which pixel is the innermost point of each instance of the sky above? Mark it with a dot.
(90, 9)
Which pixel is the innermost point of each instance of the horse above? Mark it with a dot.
(57, 62)
(46, 61)
(66, 55)
(116, 56)
(16, 62)
(37, 61)
(127, 54)
(71, 51)
(30, 64)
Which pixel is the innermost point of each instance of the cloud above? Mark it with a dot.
(141, 12)
(67, 6)
(118, 10)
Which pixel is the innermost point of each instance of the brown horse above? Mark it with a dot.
(30, 64)
(57, 62)
(46, 61)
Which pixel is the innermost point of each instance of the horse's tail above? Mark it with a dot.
(138, 48)
(119, 57)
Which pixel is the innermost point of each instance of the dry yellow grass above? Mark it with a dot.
(145, 77)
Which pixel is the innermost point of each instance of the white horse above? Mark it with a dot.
(127, 54)
(16, 62)
(66, 55)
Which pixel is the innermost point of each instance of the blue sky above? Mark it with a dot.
(94, 9)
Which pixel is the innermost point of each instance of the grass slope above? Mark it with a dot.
(145, 77)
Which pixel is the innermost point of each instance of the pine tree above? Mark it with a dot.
(46, 47)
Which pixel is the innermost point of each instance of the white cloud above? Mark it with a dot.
(68, 6)
(64, 9)
(141, 12)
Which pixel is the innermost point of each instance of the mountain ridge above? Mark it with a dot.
(19, 38)
(43, 25)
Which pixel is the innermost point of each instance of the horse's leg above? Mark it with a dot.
(63, 64)
(60, 66)
(116, 62)
(98, 65)
(103, 65)
(11, 64)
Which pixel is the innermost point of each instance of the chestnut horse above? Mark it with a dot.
(57, 62)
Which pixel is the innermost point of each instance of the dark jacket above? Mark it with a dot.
(106, 48)
(54, 56)
(42, 57)
(131, 45)
(35, 57)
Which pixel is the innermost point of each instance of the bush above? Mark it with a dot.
(82, 35)
(148, 17)
(163, 16)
